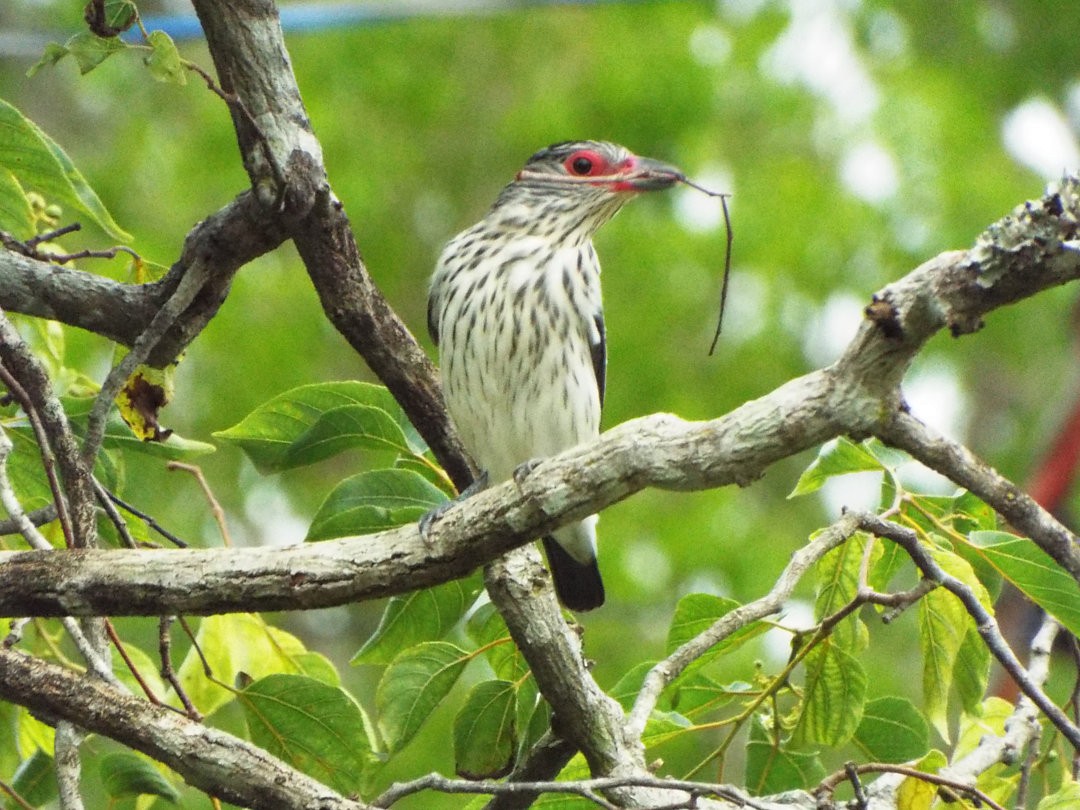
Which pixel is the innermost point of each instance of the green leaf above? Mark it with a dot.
(488, 630)
(943, 623)
(485, 736)
(41, 165)
(32, 734)
(174, 448)
(243, 643)
(833, 696)
(838, 584)
(312, 726)
(413, 685)
(87, 49)
(417, 617)
(16, 213)
(285, 432)
(26, 471)
(1066, 798)
(626, 689)
(374, 501)
(916, 794)
(971, 671)
(149, 670)
(838, 457)
(35, 779)
(1034, 573)
(125, 774)
(892, 730)
(164, 59)
(987, 718)
(771, 768)
(697, 612)
(696, 692)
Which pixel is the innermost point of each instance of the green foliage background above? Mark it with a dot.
(423, 120)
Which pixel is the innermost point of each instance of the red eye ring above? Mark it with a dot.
(585, 163)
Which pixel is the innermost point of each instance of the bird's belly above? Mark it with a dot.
(521, 397)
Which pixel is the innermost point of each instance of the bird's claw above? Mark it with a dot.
(429, 519)
(521, 471)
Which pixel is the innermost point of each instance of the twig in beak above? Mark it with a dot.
(727, 252)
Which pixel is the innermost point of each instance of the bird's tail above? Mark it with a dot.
(578, 585)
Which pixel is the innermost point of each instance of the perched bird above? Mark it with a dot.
(515, 309)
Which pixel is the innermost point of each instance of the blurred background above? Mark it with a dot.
(857, 138)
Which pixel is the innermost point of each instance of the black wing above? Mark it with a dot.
(598, 348)
(432, 320)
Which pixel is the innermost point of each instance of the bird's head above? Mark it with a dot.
(596, 165)
(581, 184)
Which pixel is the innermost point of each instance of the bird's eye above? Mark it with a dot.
(581, 165)
(585, 164)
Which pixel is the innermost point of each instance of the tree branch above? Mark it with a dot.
(857, 395)
(224, 766)
(224, 242)
(286, 168)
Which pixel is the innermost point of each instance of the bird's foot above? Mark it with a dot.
(426, 522)
(521, 471)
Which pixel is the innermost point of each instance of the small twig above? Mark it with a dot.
(103, 497)
(115, 638)
(586, 788)
(215, 505)
(207, 669)
(68, 765)
(829, 784)
(29, 248)
(48, 236)
(15, 632)
(900, 601)
(190, 285)
(145, 518)
(727, 251)
(167, 671)
(14, 796)
(856, 785)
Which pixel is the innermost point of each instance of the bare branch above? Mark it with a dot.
(662, 675)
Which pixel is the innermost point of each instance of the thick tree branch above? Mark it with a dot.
(222, 765)
(858, 395)
(285, 165)
(223, 242)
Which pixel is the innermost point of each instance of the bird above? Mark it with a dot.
(515, 309)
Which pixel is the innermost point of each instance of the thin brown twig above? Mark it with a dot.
(48, 460)
(167, 671)
(146, 518)
(829, 784)
(134, 670)
(215, 505)
(14, 796)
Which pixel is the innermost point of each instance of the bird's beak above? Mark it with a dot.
(646, 174)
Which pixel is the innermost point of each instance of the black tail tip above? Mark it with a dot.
(578, 586)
